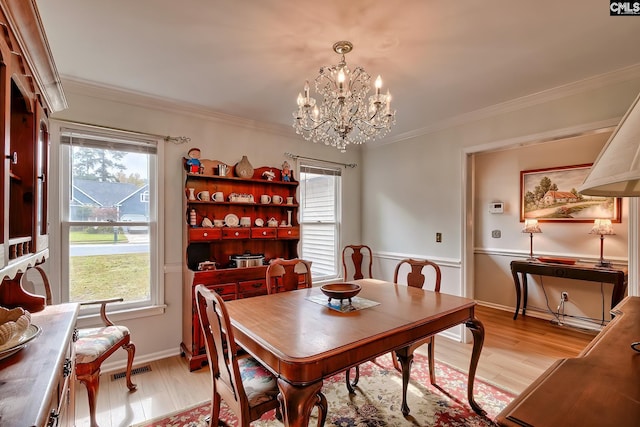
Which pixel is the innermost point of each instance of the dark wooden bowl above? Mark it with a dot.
(340, 290)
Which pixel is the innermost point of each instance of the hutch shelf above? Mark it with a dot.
(246, 214)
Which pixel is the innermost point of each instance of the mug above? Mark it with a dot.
(218, 196)
(277, 199)
(218, 222)
(265, 199)
(204, 196)
(245, 221)
(222, 170)
(290, 200)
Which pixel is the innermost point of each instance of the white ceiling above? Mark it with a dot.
(250, 58)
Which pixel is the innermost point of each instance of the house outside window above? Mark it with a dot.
(320, 189)
(109, 216)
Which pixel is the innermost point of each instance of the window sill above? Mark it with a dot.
(93, 319)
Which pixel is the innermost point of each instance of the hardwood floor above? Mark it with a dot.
(514, 354)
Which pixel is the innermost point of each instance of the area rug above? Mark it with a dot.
(378, 399)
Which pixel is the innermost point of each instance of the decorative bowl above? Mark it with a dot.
(13, 323)
(341, 291)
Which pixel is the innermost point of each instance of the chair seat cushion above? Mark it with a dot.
(94, 342)
(259, 384)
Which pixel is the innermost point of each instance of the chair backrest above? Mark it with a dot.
(288, 275)
(357, 257)
(220, 347)
(416, 276)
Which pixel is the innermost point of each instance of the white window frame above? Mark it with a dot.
(337, 215)
(59, 247)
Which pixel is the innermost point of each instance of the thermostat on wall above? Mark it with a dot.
(496, 207)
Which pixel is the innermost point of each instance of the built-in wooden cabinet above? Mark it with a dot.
(30, 91)
(241, 197)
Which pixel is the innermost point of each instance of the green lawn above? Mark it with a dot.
(78, 237)
(108, 276)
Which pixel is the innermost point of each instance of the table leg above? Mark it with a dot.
(405, 356)
(525, 293)
(477, 329)
(516, 282)
(297, 402)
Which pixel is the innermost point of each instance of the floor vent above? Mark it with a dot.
(140, 370)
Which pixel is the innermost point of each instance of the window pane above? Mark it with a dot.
(104, 262)
(318, 246)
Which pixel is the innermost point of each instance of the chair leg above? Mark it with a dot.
(431, 350)
(131, 351)
(351, 384)
(322, 409)
(394, 359)
(92, 383)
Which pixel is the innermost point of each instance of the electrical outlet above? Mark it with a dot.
(438, 237)
(496, 234)
(565, 296)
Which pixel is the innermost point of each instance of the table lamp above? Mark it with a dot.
(531, 226)
(602, 227)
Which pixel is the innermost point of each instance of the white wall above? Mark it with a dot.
(415, 188)
(226, 139)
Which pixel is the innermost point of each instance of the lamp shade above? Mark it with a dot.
(531, 226)
(616, 171)
(602, 227)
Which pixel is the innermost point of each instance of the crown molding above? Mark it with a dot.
(145, 100)
(624, 74)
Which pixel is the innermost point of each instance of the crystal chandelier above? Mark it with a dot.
(345, 115)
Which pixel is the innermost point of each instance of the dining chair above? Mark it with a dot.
(356, 253)
(416, 278)
(247, 388)
(287, 275)
(93, 345)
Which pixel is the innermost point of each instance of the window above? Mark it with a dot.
(109, 216)
(320, 218)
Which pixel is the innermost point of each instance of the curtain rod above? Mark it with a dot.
(295, 157)
(167, 138)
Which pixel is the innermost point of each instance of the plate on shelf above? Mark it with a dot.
(231, 220)
(259, 222)
(13, 346)
(568, 261)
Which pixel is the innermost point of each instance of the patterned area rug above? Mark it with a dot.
(378, 398)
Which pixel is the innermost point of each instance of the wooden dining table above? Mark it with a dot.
(302, 341)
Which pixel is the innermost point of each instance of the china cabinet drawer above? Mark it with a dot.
(204, 234)
(226, 290)
(236, 233)
(251, 288)
(263, 233)
(288, 233)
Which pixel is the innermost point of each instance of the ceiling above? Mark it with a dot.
(439, 59)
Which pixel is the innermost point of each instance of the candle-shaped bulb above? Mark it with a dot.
(341, 78)
(378, 85)
(300, 100)
(388, 99)
(306, 89)
(316, 112)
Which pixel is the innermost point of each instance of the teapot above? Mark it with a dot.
(272, 222)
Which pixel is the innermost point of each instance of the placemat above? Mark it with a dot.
(357, 303)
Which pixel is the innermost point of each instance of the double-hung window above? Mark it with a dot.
(320, 188)
(110, 233)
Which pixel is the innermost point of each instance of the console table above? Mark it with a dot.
(598, 388)
(578, 272)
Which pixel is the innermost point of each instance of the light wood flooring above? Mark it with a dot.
(514, 354)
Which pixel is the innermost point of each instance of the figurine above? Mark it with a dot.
(286, 171)
(193, 164)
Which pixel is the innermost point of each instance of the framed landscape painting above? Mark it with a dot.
(551, 195)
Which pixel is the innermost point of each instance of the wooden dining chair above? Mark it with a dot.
(93, 345)
(416, 278)
(287, 275)
(356, 253)
(246, 386)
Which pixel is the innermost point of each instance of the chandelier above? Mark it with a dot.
(345, 115)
